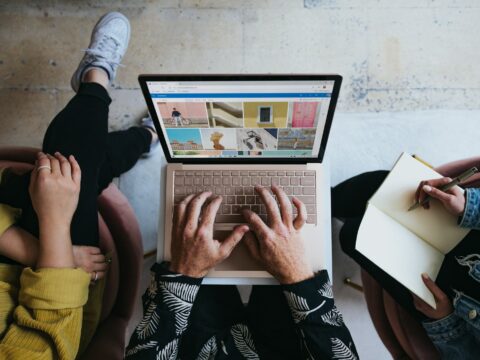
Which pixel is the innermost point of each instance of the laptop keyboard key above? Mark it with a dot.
(235, 219)
(307, 199)
(308, 191)
(308, 181)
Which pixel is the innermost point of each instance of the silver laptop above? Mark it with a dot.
(228, 133)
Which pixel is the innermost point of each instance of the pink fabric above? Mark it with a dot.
(374, 298)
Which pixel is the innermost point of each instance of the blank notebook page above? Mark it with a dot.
(436, 226)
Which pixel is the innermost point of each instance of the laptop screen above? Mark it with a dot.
(241, 119)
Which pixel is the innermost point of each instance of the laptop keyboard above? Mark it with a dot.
(237, 189)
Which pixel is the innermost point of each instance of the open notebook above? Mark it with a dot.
(404, 243)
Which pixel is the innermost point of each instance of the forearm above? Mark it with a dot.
(19, 245)
(55, 246)
(320, 325)
(167, 304)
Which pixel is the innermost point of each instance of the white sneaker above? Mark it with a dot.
(108, 44)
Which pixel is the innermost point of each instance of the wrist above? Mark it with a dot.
(186, 270)
(295, 277)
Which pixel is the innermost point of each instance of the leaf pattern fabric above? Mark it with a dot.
(209, 350)
(168, 302)
(179, 299)
(341, 351)
(299, 307)
(244, 341)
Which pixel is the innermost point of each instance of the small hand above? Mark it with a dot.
(194, 250)
(453, 199)
(279, 246)
(90, 259)
(444, 305)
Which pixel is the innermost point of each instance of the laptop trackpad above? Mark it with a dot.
(239, 259)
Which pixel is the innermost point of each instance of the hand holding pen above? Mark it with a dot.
(445, 190)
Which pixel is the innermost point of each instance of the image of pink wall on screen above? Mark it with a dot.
(183, 114)
(304, 114)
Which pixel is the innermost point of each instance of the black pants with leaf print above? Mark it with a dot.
(267, 315)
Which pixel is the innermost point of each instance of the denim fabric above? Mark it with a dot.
(457, 336)
(471, 215)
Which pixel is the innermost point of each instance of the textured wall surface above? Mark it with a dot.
(394, 55)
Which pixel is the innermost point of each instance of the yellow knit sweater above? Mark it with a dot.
(41, 311)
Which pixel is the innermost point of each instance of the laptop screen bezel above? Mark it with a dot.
(337, 79)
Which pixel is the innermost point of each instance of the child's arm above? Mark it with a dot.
(471, 215)
(19, 245)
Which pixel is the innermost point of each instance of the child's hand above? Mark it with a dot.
(444, 305)
(90, 259)
(54, 189)
(453, 199)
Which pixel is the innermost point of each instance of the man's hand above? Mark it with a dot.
(444, 305)
(279, 246)
(453, 199)
(194, 250)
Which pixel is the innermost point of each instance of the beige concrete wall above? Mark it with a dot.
(394, 55)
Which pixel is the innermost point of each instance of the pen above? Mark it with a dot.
(459, 179)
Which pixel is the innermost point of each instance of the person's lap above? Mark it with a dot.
(218, 307)
(349, 201)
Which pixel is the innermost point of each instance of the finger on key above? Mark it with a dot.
(273, 212)
(195, 208)
(302, 214)
(255, 223)
(285, 205)
(179, 213)
(210, 211)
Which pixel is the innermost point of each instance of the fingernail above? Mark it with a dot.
(425, 276)
(427, 188)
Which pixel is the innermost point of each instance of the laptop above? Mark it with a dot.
(228, 133)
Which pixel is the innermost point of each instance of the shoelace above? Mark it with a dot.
(106, 44)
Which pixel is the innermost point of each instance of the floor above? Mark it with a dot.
(41, 45)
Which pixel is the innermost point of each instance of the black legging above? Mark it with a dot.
(81, 129)
(349, 200)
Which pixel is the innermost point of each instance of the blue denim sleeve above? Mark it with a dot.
(471, 215)
(451, 337)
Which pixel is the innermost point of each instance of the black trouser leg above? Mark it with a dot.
(215, 310)
(124, 148)
(80, 129)
(349, 200)
(271, 323)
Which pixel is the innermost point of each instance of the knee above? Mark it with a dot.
(348, 236)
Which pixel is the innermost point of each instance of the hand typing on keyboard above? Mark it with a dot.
(278, 244)
(194, 250)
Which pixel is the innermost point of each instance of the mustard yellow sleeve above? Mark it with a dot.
(47, 321)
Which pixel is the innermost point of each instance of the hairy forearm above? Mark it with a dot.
(19, 245)
(55, 246)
